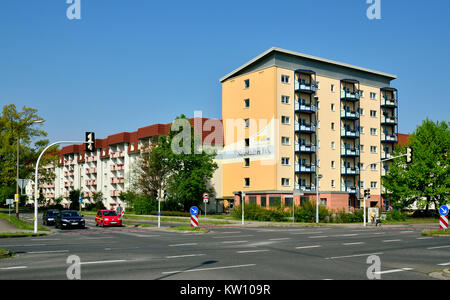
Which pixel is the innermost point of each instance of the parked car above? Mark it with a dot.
(69, 219)
(107, 218)
(49, 217)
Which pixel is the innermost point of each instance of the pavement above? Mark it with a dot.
(5, 226)
(230, 252)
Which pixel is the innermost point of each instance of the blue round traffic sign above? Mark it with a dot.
(194, 210)
(443, 210)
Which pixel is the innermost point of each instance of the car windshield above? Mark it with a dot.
(66, 214)
(52, 213)
(110, 213)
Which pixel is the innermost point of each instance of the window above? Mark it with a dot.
(333, 107)
(318, 85)
(373, 184)
(263, 201)
(332, 125)
(361, 184)
(373, 167)
(332, 87)
(373, 113)
(373, 131)
(285, 120)
(361, 111)
(274, 201)
(246, 162)
(373, 149)
(333, 165)
(323, 201)
(285, 99)
(373, 96)
(252, 199)
(284, 79)
(246, 182)
(247, 83)
(285, 141)
(361, 147)
(332, 145)
(333, 184)
(361, 129)
(361, 93)
(285, 181)
(285, 161)
(247, 142)
(247, 123)
(288, 201)
(246, 103)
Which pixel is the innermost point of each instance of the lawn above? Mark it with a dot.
(21, 224)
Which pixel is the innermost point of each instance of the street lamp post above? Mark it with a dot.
(36, 180)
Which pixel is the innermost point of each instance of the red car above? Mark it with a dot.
(107, 218)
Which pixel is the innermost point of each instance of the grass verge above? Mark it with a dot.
(7, 235)
(21, 224)
(6, 253)
(435, 233)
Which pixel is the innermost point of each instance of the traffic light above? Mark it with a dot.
(409, 154)
(367, 193)
(90, 142)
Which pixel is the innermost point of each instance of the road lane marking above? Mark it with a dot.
(393, 271)
(444, 264)
(356, 243)
(231, 236)
(391, 241)
(14, 268)
(228, 232)
(356, 255)
(234, 242)
(187, 255)
(44, 240)
(308, 247)
(44, 252)
(279, 239)
(252, 251)
(179, 245)
(102, 262)
(425, 238)
(312, 232)
(439, 247)
(318, 237)
(346, 235)
(209, 269)
(407, 231)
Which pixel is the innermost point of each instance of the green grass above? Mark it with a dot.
(435, 233)
(21, 224)
(6, 235)
(6, 253)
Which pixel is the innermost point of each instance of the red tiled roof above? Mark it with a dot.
(403, 139)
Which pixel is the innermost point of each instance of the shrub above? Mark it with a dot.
(255, 212)
(307, 213)
(395, 215)
(144, 206)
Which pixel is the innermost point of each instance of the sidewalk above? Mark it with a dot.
(6, 227)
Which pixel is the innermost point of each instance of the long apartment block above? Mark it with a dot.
(320, 117)
(108, 169)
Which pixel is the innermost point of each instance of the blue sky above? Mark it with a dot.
(129, 64)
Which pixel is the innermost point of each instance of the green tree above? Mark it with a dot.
(426, 180)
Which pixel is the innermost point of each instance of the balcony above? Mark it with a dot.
(347, 114)
(91, 182)
(305, 188)
(389, 138)
(389, 103)
(115, 193)
(349, 152)
(117, 180)
(117, 154)
(348, 95)
(119, 167)
(348, 189)
(305, 108)
(305, 168)
(349, 133)
(91, 171)
(389, 120)
(305, 128)
(91, 158)
(386, 155)
(349, 171)
(305, 87)
(305, 148)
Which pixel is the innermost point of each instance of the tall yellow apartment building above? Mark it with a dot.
(288, 117)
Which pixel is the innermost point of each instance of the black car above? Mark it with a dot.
(69, 219)
(49, 217)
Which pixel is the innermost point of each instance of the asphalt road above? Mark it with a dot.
(228, 253)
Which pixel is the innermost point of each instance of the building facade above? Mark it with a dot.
(305, 117)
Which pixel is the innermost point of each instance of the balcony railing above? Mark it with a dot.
(389, 120)
(303, 86)
(348, 189)
(349, 133)
(305, 148)
(305, 168)
(350, 95)
(387, 102)
(306, 128)
(386, 138)
(349, 171)
(116, 193)
(349, 152)
(305, 188)
(386, 155)
(349, 114)
(117, 180)
(307, 108)
(117, 154)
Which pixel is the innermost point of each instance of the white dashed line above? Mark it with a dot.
(252, 251)
(356, 255)
(356, 243)
(308, 247)
(393, 271)
(179, 245)
(187, 255)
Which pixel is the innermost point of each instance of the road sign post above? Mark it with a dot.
(443, 220)
(205, 200)
(194, 216)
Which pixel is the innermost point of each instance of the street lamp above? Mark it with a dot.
(17, 171)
